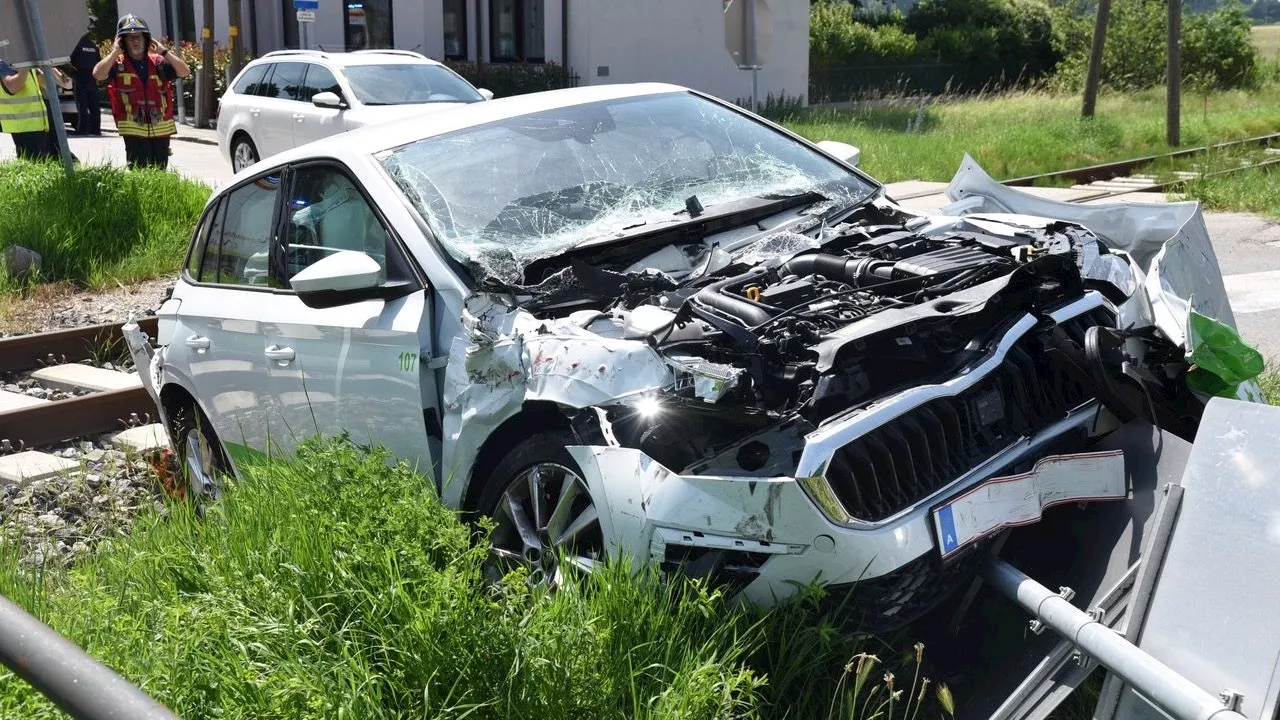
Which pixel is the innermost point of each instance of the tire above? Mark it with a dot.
(243, 152)
(202, 462)
(536, 530)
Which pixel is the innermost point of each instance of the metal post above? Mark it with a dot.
(753, 56)
(83, 687)
(1095, 58)
(235, 45)
(176, 39)
(204, 102)
(1173, 101)
(50, 86)
(1168, 690)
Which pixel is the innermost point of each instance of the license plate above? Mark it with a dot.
(1014, 500)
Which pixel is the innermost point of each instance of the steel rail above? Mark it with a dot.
(1121, 168)
(23, 352)
(94, 414)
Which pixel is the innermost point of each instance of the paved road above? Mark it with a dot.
(1248, 247)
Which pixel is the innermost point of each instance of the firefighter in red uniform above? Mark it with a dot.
(140, 74)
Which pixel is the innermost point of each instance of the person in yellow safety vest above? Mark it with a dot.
(24, 113)
(140, 75)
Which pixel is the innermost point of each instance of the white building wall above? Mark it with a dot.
(682, 42)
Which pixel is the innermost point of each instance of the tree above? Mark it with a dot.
(103, 16)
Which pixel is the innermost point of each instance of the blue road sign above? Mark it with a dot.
(306, 4)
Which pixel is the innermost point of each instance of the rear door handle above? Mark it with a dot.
(299, 117)
(254, 113)
(196, 342)
(280, 354)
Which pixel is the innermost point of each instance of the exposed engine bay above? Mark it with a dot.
(864, 309)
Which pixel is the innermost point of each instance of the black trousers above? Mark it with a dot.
(36, 145)
(88, 114)
(147, 152)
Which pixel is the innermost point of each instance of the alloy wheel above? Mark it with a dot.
(545, 514)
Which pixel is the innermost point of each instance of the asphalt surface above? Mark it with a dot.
(1248, 246)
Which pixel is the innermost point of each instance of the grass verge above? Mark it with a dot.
(1255, 191)
(1027, 133)
(334, 587)
(101, 225)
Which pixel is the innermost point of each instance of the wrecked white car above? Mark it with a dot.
(635, 320)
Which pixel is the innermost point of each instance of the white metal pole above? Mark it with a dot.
(176, 40)
(1170, 691)
(753, 58)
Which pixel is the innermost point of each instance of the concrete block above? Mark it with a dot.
(15, 401)
(143, 438)
(31, 465)
(74, 376)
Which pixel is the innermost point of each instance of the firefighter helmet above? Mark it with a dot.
(133, 24)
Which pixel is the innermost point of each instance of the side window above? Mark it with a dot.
(199, 242)
(286, 81)
(326, 214)
(251, 79)
(242, 235)
(212, 245)
(319, 80)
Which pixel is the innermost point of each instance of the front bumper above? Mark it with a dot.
(773, 535)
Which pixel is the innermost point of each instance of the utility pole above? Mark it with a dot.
(235, 46)
(204, 103)
(36, 26)
(1095, 58)
(1173, 101)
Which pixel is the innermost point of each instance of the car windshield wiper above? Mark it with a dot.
(716, 218)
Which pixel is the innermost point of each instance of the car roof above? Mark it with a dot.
(346, 59)
(376, 138)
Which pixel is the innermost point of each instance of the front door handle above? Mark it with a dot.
(198, 343)
(299, 117)
(280, 354)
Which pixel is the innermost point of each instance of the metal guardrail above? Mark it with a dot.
(83, 687)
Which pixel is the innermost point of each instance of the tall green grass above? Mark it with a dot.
(335, 587)
(1246, 191)
(101, 225)
(1027, 133)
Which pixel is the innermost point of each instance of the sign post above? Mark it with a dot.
(748, 36)
(306, 14)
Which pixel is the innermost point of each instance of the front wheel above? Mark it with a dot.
(243, 153)
(201, 461)
(542, 511)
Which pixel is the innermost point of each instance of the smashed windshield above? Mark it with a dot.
(408, 84)
(501, 195)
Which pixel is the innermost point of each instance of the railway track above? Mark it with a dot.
(103, 400)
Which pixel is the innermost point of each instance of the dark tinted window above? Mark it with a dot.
(286, 81)
(326, 214)
(319, 80)
(241, 235)
(209, 245)
(198, 242)
(251, 80)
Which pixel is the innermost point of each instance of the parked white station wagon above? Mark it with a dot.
(634, 319)
(289, 98)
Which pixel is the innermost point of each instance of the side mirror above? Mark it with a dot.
(344, 277)
(841, 151)
(329, 100)
(485, 93)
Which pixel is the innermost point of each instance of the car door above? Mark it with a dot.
(281, 99)
(353, 368)
(314, 123)
(218, 341)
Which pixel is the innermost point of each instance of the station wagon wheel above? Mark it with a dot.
(243, 153)
(201, 461)
(542, 512)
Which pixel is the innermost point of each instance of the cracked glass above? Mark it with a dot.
(501, 195)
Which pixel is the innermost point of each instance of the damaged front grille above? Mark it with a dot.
(915, 454)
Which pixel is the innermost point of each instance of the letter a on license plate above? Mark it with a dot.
(1021, 499)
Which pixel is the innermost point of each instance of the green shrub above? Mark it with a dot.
(1010, 38)
(835, 39)
(506, 79)
(101, 224)
(1216, 48)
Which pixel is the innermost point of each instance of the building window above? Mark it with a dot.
(455, 29)
(367, 24)
(516, 31)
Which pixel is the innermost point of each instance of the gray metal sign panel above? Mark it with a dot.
(748, 32)
(1213, 614)
(64, 22)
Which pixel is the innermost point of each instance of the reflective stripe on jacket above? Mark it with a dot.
(24, 110)
(141, 109)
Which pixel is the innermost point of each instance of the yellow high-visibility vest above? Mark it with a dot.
(23, 111)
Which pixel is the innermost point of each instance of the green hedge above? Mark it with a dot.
(506, 79)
